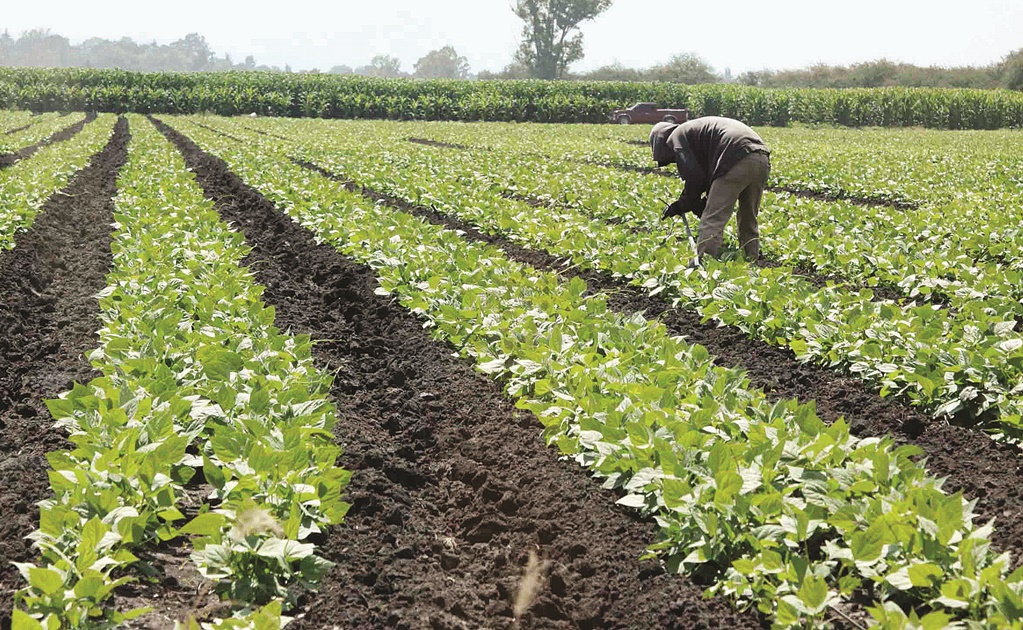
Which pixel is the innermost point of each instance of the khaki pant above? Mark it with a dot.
(745, 183)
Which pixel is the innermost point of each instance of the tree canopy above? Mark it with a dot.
(444, 63)
(41, 48)
(384, 66)
(550, 36)
(1012, 70)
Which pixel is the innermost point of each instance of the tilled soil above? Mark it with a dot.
(971, 461)
(452, 486)
(48, 320)
(8, 159)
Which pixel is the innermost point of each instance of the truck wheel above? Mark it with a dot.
(623, 120)
(669, 119)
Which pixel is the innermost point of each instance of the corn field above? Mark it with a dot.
(327, 96)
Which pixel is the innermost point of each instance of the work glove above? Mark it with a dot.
(684, 205)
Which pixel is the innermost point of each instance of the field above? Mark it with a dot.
(372, 374)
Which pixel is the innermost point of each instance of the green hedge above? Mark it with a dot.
(328, 96)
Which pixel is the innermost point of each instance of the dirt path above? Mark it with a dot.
(974, 463)
(452, 485)
(48, 320)
(9, 159)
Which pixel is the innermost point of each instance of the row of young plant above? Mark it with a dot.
(745, 491)
(969, 363)
(909, 167)
(865, 245)
(25, 186)
(39, 130)
(961, 180)
(11, 119)
(914, 165)
(961, 183)
(197, 386)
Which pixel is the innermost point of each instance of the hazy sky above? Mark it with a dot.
(741, 34)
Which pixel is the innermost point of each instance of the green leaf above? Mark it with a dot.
(46, 581)
(219, 363)
(21, 621)
(284, 549)
(866, 546)
(786, 614)
(208, 524)
(90, 587)
(925, 574)
(171, 514)
(213, 474)
(936, 620)
(814, 594)
(728, 484)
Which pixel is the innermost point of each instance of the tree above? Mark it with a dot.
(382, 66)
(614, 72)
(548, 43)
(442, 64)
(342, 69)
(41, 48)
(195, 52)
(514, 70)
(1012, 70)
(879, 73)
(686, 68)
(6, 49)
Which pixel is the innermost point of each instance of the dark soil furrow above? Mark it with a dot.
(266, 133)
(974, 463)
(8, 159)
(219, 132)
(855, 200)
(436, 143)
(48, 321)
(16, 130)
(452, 485)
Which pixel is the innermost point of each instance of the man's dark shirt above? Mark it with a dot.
(707, 148)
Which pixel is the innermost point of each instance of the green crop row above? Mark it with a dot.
(903, 168)
(968, 363)
(326, 96)
(46, 126)
(783, 511)
(25, 186)
(961, 177)
(195, 378)
(923, 252)
(10, 120)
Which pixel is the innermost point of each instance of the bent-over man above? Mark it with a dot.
(724, 160)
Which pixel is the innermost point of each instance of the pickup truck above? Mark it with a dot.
(648, 113)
